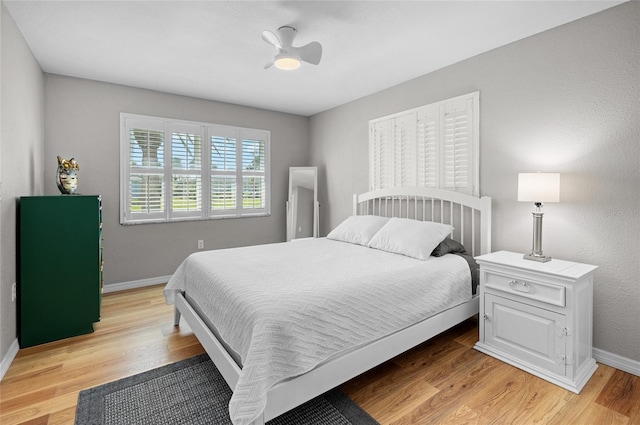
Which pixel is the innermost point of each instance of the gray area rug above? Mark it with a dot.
(192, 392)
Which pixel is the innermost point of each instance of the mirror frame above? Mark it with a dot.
(292, 221)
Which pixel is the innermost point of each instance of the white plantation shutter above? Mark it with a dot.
(223, 172)
(186, 195)
(182, 170)
(144, 186)
(434, 146)
(239, 171)
(404, 135)
(186, 170)
(458, 149)
(379, 146)
(253, 173)
(427, 148)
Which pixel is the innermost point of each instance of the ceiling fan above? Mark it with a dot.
(287, 56)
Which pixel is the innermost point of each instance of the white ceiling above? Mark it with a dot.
(213, 49)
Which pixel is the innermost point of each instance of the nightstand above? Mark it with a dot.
(538, 316)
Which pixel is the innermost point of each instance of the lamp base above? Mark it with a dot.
(534, 257)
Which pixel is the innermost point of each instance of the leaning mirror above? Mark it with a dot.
(302, 206)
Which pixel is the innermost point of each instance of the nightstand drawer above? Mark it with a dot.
(535, 290)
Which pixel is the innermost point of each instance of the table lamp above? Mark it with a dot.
(538, 188)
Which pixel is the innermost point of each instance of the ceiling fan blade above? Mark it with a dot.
(272, 39)
(311, 53)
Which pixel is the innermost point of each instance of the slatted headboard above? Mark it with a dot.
(470, 216)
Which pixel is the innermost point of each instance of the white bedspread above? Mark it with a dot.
(287, 307)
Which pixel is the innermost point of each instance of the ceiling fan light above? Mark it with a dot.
(288, 63)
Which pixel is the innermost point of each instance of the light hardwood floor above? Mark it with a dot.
(443, 381)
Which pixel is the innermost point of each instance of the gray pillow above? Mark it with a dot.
(448, 246)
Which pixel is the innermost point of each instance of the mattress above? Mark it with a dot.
(286, 308)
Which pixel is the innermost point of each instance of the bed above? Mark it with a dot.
(287, 322)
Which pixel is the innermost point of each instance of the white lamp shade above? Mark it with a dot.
(539, 187)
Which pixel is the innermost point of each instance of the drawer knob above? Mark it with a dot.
(520, 286)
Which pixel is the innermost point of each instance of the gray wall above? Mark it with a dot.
(82, 121)
(21, 155)
(566, 100)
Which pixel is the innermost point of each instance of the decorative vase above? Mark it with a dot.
(67, 176)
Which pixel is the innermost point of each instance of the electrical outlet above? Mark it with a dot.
(13, 292)
(200, 244)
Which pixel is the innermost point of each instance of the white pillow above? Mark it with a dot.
(409, 237)
(358, 229)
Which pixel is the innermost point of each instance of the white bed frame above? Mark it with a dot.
(471, 218)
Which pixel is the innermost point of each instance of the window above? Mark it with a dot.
(180, 170)
(434, 145)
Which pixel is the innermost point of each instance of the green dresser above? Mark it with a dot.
(60, 273)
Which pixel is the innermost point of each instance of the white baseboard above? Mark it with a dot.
(623, 363)
(8, 358)
(123, 286)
